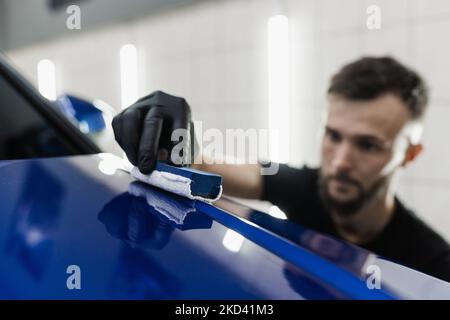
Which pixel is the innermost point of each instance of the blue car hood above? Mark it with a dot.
(128, 240)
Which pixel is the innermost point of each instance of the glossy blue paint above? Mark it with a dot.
(133, 241)
(81, 111)
(345, 255)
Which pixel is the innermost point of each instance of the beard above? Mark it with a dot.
(362, 198)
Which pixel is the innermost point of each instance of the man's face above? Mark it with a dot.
(362, 145)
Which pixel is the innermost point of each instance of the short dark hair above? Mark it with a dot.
(370, 77)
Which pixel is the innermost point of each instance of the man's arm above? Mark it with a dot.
(243, 181)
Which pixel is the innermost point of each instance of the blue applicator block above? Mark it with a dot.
(204, 184)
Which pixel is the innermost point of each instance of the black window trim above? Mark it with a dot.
(81, 143)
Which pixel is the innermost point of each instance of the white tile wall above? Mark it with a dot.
(432, 9)
(332, 54)
(341, 16)
(394, 41)
(432, 56)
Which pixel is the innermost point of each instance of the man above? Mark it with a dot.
(373, 128)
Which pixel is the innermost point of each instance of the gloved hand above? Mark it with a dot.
(146, 127)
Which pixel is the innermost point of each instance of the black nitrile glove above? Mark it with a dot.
(146, 127)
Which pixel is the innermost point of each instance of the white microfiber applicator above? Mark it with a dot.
(186, 182)
(175, 211)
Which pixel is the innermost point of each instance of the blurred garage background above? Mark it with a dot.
(216, 54)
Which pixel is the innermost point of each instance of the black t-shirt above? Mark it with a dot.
(405, 239)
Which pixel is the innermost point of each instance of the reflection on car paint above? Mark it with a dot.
(146, 216)
(307, 286)
(337, 251)
(35, 220)
(138, 276)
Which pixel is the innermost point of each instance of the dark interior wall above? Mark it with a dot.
(24, 22)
